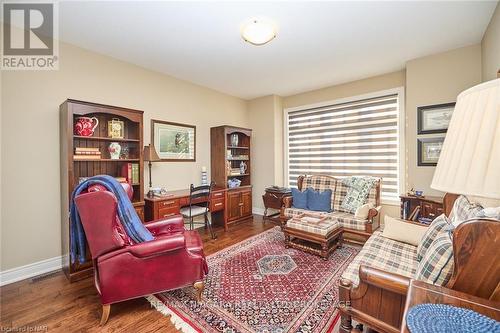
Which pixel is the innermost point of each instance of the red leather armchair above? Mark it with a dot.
(124, 270)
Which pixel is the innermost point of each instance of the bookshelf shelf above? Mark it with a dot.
(109, 160)
(237, 147)
(100, 138)
(73, 170)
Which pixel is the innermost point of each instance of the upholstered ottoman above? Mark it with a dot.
(314, 233)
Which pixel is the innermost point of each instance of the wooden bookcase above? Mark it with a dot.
(226, 156)
(72, 170)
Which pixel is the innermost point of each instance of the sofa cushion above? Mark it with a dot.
(434, 228)
(402, 231)
(363, 211)
(319, 201)
(299, 199)
(320, 183)
(322, 228)
(341, 191)
(464, 210)
(348, 220)
(436, 267)
(384, 254)
(359, 188)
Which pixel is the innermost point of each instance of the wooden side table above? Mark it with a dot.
(273, 198)
(421, 292)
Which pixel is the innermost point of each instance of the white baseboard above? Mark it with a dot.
(257, 210)
(27, 271)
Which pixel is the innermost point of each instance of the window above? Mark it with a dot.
(354, 138)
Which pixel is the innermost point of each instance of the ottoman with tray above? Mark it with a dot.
(314, 233)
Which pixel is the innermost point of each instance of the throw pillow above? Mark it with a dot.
(319, 201)
(359, 188)
(362, 211)
(402, 231)
(434, 228)
(436, 266)
(299, 199)
(464, 210)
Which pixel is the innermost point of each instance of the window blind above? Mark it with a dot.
(350, 139)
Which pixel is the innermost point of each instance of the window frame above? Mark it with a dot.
(401, 165)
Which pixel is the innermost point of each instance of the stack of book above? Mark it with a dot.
(82, 153)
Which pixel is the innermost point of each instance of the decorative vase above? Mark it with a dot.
(85, 126)
(234, 140)
(243, 167)
(114, 150)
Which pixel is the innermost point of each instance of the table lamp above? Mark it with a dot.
(469, 163)
(150, 155)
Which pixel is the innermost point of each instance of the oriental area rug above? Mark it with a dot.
(260, 286)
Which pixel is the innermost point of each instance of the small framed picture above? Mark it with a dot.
(174, 142)
(434, 118)
(429, 150)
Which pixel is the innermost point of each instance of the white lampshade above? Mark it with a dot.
(470, 159)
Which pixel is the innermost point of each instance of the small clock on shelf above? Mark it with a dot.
(116, 129)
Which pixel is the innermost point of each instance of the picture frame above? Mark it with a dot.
(433, 119)
(428, 150)
(174, 142)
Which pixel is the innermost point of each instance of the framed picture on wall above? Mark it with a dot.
(429, 150)
(174, 142)
(434, 118)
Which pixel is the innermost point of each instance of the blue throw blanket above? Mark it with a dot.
(126, 212)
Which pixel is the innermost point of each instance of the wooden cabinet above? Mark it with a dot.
(75, 167)
(239, 203)
(171, 204)
(427, 207)
(231, 159)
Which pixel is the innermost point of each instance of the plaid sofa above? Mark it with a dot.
(385, 254)
(352, 225)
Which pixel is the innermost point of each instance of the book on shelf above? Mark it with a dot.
(93, 153)
(119, 179)
(135, 173)
(414, 214)
(86, 157)
(130, 171)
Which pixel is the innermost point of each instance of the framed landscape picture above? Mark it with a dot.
(174, 142)
(434, 118)
(429, 150)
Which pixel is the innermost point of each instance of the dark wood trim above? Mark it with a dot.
(422, 109)
(153, 121)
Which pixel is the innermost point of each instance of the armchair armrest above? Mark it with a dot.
(287, 202)
(373, 212)
(158, 246)
(385, 280)
(166, 226)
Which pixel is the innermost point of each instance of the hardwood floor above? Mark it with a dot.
(52, 304)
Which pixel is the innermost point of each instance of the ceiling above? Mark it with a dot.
(318, 44)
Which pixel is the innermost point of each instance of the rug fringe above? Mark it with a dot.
(177, 321)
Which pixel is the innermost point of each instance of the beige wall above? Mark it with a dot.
(30, 137)
(360, 87)
(491, 48)
(433, 80)
(355, 88)
(267, 167)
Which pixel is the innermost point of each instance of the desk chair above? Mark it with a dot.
(199, 203)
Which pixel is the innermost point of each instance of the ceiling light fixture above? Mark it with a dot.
(258, 31)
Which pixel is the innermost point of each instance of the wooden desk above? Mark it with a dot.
(421, 292)
(171, 204)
